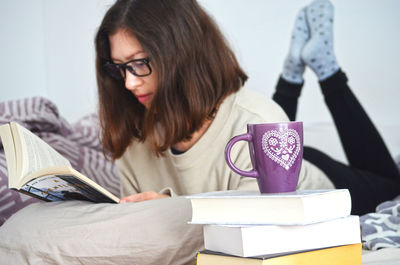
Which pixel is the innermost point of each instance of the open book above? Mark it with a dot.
(38, 170)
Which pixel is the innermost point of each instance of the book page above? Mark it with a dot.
(9, 150)
(63, 187)
(37, 154)
(239, 194)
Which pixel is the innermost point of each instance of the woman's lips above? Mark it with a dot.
(144, 98)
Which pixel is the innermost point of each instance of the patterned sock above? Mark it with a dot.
(293, 67)
(318, 53)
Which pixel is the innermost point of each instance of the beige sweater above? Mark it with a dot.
(203, 168)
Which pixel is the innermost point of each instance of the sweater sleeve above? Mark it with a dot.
(168, 191)
(128, 183)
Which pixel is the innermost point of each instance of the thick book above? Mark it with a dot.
(254, 240)
(38, 170)
(339, 255)
(247, 207)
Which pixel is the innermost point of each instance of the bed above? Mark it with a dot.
(152, 232)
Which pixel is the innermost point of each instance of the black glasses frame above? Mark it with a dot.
(121, 73)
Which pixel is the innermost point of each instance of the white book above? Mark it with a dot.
(255, 240)
(247, 207)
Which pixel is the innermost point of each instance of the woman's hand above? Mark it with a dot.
(144, 196)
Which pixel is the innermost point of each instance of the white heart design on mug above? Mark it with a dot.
(282, 146)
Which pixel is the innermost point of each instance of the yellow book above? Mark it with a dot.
(340, 255)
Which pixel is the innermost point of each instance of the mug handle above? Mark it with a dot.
(243, 137)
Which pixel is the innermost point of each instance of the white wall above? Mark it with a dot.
(22, 56)
(47, 49)
(70, 27)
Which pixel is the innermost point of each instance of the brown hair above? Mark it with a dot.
(195, 69)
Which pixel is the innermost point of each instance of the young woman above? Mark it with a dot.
(171, 97)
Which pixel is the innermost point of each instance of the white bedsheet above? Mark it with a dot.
(384, 256)
(77, 232)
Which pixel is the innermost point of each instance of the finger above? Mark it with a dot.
(130, 198)
(144, 196)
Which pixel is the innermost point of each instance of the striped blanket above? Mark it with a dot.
(382, 228)
(78, 142)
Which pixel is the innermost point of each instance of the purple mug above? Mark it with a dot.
(276, 152)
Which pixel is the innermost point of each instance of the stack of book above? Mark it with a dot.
(303, 227)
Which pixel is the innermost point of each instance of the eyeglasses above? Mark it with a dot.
(137, 67)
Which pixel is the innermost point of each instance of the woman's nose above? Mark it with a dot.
(132, 81)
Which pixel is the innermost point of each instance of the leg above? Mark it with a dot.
(372, 176)
(367, 189)
(293, 66)
(362, 143)
(318, 53)
(287, 95)
(290, 83)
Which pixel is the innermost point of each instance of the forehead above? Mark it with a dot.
(124, 46)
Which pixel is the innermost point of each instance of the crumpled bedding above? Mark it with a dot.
(78, 142)
(382, 228)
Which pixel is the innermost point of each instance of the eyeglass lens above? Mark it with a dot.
(135, 67)
(138, 68)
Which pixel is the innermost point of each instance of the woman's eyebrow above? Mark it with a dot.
(128, 58)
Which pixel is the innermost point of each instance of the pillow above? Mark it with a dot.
(10, 201)
(77, 232)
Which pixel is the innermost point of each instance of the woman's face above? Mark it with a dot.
(125, 47)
